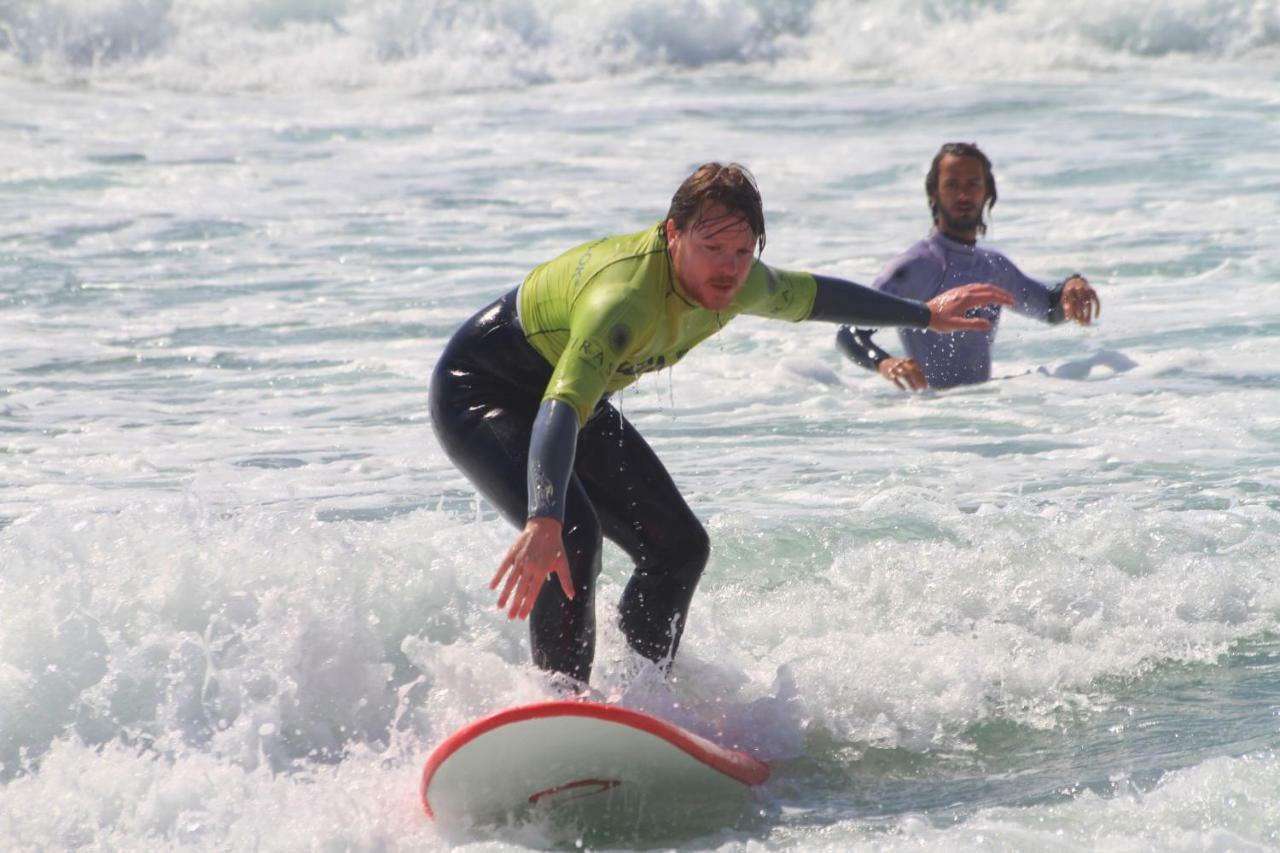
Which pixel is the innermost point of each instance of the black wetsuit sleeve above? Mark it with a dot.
(1056, 313)
(857, 344)
(840, 301)
(551, 450)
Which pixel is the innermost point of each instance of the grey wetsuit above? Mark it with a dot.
(937, 264)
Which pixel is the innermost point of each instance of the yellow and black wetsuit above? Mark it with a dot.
(610, 310)
(519, 401)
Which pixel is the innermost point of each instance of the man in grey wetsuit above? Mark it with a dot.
(960, 186)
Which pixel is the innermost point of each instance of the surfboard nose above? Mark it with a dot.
(578, 757)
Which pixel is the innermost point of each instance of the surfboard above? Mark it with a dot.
(586, 761)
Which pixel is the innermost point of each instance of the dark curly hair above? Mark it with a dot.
(961, 149)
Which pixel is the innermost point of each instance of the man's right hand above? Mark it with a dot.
(537, 552)
(903, 372)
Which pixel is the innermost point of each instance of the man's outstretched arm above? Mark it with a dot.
(851, 304)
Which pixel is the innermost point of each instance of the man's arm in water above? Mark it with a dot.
(855, 305)
(916, 271)
(863, 351)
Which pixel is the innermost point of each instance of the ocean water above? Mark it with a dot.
(243, 592)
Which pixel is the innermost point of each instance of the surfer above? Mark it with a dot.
(520, 402)
(960, 186)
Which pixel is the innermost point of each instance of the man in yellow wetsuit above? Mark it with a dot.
(519, 401)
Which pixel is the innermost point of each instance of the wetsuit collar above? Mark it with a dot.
(951, 243)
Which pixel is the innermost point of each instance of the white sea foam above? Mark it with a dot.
(237, 570)
(452, 45)
(1225, 804)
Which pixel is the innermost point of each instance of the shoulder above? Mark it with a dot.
(614, 295)
(639, 258)
(773, 292)
(993, 255)
(641, 244)
(619, 308)
(918, 267)
(1004, 271)
(620, 257)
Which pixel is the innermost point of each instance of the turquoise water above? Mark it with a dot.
(243, 592)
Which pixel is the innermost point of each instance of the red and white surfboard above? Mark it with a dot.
(580, 756)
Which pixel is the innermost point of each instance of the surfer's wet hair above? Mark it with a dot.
(730, 185)
(961, 149)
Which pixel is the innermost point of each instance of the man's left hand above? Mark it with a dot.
(1080, 301)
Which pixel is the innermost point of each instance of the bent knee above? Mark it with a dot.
(689, 551)
(700, 546)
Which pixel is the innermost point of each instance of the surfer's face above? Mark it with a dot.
(962, 192)
(712, 256)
